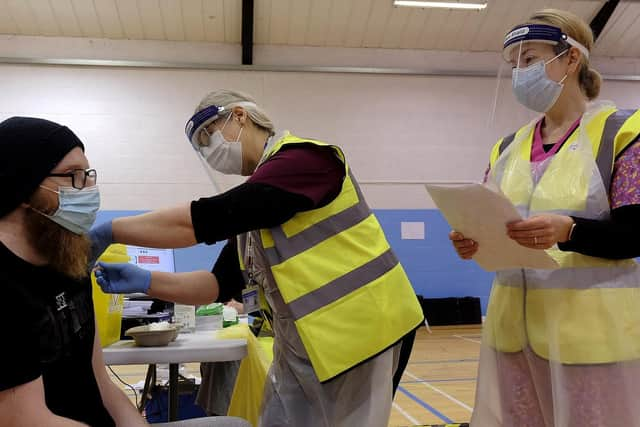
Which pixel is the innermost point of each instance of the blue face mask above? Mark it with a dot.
(534, 89)
(77, 209)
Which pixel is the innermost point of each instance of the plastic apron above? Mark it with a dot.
(293, 395)
(559, 347)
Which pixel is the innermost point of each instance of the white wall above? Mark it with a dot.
(393, 127)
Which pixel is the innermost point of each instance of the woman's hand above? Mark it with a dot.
(466, 248)
(541, 232)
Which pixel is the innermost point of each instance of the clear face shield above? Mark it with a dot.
(533, 91)
(222, 158)
(196, 132)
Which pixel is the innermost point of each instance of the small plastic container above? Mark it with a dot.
(209, 317)
(229, 316)
(209, 323)
(185, 315)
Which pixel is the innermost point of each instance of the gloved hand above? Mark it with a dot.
(101, 237)
(122, 278)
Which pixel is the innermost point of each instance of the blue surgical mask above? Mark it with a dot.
(534, 89)
(77, 209)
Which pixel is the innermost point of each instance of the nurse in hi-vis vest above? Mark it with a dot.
(342, 309)
(561, 348)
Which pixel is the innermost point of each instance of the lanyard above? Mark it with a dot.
(250, 259)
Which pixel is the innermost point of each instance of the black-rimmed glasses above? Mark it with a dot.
(80, 178)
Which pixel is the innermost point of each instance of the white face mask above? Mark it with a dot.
(534, 89)
(222, 155)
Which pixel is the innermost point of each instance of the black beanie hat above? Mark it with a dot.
(30, 149)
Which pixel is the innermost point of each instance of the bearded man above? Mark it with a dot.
(51, 368)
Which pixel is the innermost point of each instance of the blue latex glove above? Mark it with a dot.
(101, 237)
(122, 278)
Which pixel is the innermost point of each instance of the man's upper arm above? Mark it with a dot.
(24, 405)
(22, 394)
(97, 362)
(20, 358)
(117, 404)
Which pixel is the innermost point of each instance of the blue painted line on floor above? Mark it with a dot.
(422, 362)
(448, 380)
(425, 405)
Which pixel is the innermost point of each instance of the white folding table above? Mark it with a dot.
(200, 346)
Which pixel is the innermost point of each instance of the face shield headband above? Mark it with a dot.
(538, 33)
(201, 120)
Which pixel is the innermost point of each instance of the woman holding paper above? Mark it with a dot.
(562, 347)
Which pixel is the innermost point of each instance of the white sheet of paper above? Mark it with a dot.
(481, 214)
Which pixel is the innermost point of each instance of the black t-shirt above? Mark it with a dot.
(48, 330)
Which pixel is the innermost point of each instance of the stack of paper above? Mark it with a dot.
(482, 214)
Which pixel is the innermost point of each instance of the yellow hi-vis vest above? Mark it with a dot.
(348, 294)
(586, 312)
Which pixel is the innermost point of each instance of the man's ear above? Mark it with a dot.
(42, 203)
(24, 207)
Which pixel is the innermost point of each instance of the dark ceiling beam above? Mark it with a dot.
(247, 32)
(600, 20)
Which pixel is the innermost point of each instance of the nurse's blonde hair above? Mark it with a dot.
(230, 98)
(575, 27)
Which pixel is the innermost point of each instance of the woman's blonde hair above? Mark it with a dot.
(575, 27)
(230, 98)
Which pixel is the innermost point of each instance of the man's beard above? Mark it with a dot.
(65, 251)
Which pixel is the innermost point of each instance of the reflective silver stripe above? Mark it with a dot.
(573, 278)
(241, 242)
(343, 285)
(605, 151)
(506, 141)
(512, 278)
(288, 247)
